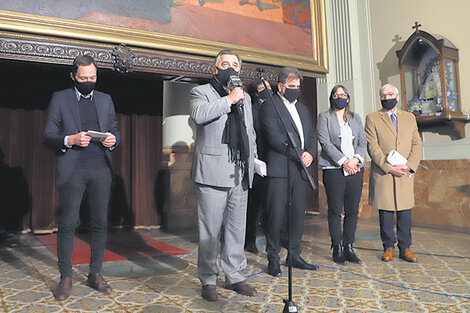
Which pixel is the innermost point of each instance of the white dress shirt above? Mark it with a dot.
(296, 117)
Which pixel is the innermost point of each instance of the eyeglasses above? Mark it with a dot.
(389, 95)
(340, 95)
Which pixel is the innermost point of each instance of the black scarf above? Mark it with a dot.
(235, 135)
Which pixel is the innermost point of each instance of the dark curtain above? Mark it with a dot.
(28, 197)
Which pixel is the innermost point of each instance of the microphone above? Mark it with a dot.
(233, 82)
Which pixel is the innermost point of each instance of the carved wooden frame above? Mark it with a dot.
(79, 30)
(28, 47)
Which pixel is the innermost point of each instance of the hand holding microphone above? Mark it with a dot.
(236, 95)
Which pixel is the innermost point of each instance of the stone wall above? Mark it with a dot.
(442, 194)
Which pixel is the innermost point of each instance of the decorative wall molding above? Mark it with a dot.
(121, 58)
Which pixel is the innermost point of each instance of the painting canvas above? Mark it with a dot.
(279, 27)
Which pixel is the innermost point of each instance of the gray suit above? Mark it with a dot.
(341, 191)
(328, 131)
(220, 188)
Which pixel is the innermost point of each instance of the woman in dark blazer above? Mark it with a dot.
(342, 138)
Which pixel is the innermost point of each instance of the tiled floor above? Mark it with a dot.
(440, 282)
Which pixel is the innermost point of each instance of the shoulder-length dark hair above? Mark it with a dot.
(347, 109)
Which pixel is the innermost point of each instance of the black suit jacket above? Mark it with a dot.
(256, 108)
(275, 135)
(63, 119)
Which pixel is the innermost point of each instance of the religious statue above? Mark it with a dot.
(432, 85)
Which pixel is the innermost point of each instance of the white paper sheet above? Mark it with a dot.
(260, 168)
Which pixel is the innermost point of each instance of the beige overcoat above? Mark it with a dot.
(387, 192)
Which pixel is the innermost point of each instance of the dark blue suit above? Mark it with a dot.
(276, 159)
(63, 119)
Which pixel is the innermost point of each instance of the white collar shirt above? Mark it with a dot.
(79, 95)
(296, 117)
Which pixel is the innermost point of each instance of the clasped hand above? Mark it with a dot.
(307, 158)
(399, 170)
(350, 166)
(83, 140)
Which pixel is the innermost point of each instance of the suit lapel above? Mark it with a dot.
(74, 107)
(285, 115)
(335, 130)
(399, 116)
(388, 121)
(99, 111)
(304, 120)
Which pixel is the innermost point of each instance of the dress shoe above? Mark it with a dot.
(388, 255)
(408, 256)
(274, 269)
(209, 293)
(338, 256)
(242, 288)
(251, 247)
(298, 262)
(349, 254)
(62, 291)
(97, 282)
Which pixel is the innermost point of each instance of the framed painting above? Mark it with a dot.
(275, 32)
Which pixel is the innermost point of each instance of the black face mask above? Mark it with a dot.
(223, 76)
(339, 103)
(264, 94)
(291, 94)
(389, 104)
(85, 88)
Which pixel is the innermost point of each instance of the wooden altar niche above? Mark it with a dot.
(432, 60)
(34, 66)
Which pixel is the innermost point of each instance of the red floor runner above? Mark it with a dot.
(81, 251)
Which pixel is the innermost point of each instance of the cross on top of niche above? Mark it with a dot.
(416, 27)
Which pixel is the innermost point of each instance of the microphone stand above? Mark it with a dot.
(289, 306)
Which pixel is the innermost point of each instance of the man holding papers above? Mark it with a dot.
(394, 146)
(81, 128)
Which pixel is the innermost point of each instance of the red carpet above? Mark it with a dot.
(81, 251)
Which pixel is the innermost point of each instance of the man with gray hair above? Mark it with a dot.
(394, 146)
(222, 171)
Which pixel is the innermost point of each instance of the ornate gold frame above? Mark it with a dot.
(65, 28)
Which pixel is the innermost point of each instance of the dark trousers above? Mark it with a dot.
(276, 214)
(403, 229)
(255, 204)
(97, 184)
(342, 191)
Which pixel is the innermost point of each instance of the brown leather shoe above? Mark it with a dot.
(242, 288)
(62, 291)
(388, 255)
(408, 256)
(209, 293)
(97, 282)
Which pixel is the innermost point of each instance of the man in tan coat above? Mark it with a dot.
(391, 179)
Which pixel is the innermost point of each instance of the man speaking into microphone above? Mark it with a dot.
(222, 171)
